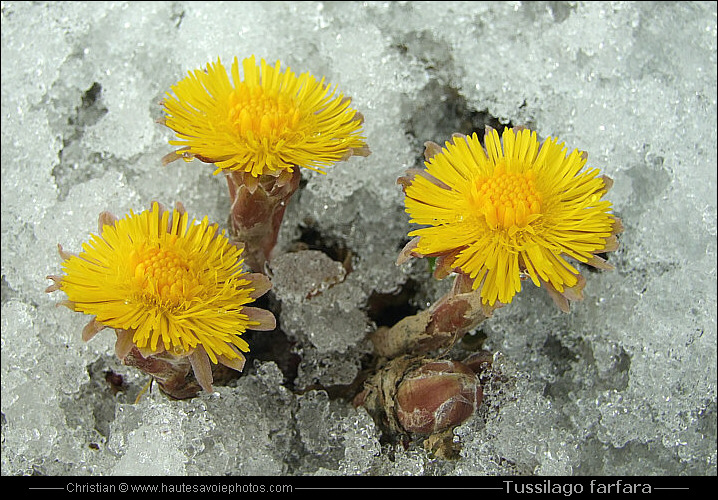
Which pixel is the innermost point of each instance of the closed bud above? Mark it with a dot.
(416, 395)
(437, 396)
(480, 363)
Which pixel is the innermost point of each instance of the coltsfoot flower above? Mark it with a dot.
(511, 212)
(173, 290)
(259, 129)
(269, 121)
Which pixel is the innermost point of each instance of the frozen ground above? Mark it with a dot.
(624, 384)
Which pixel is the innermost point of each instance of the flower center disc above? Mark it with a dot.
(165, 277)
(253, 112)
(507, 199)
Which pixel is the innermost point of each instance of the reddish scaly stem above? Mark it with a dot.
(440, 326)
(257, 210)
(172, 374)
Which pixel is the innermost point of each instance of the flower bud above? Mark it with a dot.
(417, 395)
(480, 363)
(436, 396)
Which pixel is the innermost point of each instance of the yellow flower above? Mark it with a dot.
(514, 211)
(267, 122)
(168, 286)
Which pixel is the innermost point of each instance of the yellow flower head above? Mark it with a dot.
(167, 285)
(267, 122)
(510, 212)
